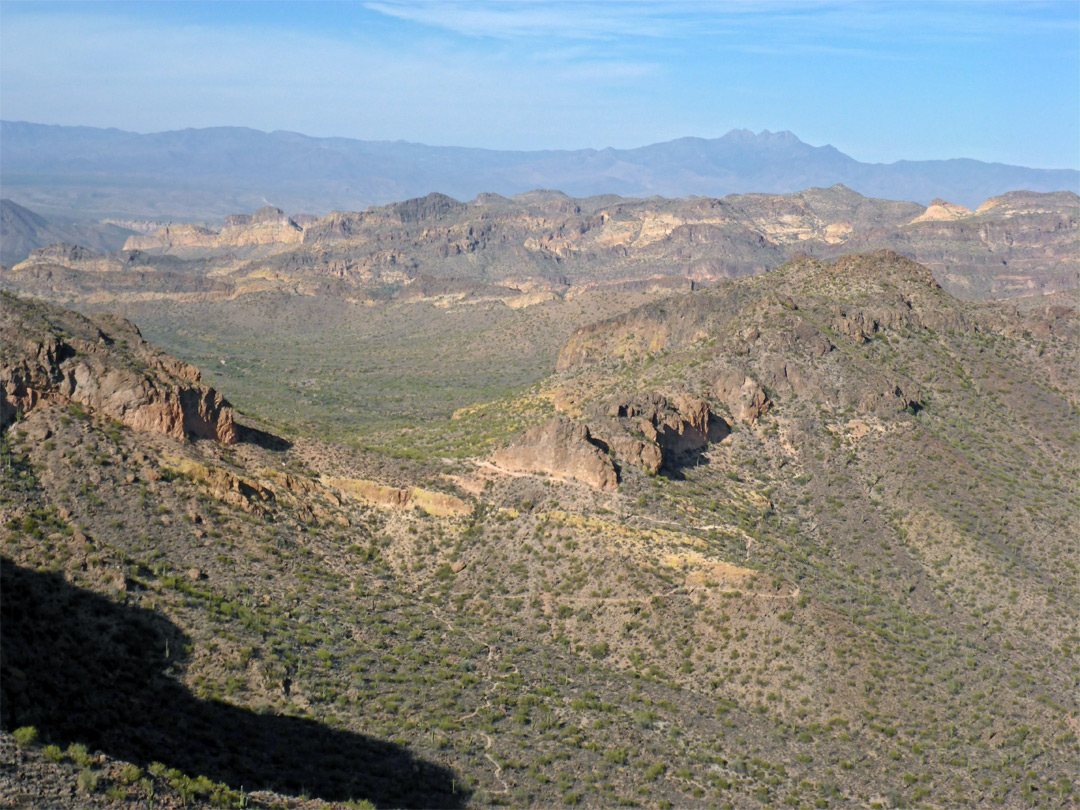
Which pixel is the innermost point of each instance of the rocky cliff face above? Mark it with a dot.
(653, 430)
(267, 226)
(103, 366)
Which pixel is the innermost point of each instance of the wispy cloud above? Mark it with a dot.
(534, 19)
(926, 20)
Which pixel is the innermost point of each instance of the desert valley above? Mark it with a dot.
(659, 404)
(766, 500)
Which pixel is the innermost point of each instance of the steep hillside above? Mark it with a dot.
(799, 539)
(23, 231)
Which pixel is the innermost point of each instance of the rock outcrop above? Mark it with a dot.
(267, 226)
(243, 493)
(438, 504)
(172, 236)
(53, 355)
(746, 400)
(562, 449)
(941, 211)
(652, 430)
(680, 425)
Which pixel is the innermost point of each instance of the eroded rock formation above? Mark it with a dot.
(51, 354)
(746, 400)
(562, 449)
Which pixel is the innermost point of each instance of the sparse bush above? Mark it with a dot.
(87, 781)
(79, 755)
(25, 736)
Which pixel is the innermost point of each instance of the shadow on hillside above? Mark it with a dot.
(676, 463)
(260, 438)
(82, 668)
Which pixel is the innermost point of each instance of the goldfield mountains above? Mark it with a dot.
(766, 501)
(544, 242)
(192, 174)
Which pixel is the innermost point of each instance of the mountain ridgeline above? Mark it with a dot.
(542, 244)
(196, 174)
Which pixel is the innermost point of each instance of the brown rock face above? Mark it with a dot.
(651, 430)
(629, 450)
(51, 354)
(562, 449)
(682, 424)
(745, 399)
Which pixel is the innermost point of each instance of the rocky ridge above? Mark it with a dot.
(545, 244)
(781, 338)
(52, 355)
(267, 226)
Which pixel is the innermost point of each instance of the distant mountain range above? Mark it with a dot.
(22, 230)
(205, 174)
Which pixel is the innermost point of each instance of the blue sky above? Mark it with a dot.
(881, 81)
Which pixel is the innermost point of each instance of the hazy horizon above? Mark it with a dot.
(880, 81)
(594, 148)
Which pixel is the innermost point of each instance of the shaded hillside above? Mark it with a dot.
(23, 231)
(199, 174)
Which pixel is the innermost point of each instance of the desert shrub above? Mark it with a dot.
(25, 736)
(79, 755)
(87, 781)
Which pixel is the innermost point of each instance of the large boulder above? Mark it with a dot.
(562, 449)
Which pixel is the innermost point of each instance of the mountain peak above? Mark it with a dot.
(784, 137)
